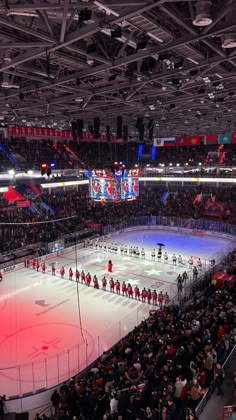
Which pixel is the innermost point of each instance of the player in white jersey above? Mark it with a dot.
(174, 259)
(166, 257)
(190, 262)
(199, 263)
(130, 251)
(125, 250)
(180, 260)
(143, 253)
(153, 255)
(121, 249)
(137, 252)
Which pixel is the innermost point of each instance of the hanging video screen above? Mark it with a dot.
(113, 188)
(101, 188)
(129, 188)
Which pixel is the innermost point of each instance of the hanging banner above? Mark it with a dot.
(37, 132)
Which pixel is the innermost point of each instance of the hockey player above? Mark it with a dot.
(159, 255)
(160, 299)
(180, 260)
(53, 269)
(130, 291)
(104, 247)
(136, 293)
(124, 289)
(195, 273)
(149, 296)
(199, 264)
(137, 252)
(88, 279)
(174, 259)
(154, 297)
(43, 268)
(190, 262)
(166, 257)
(125, 250)
(62, 272)
(27, 262)
(112, 285)
(70, 274)
(116, 249)
(95, 283)
(104, 283)
(77, 276)
(144, 295)
(83, 276)
(131, 251)
(185, 277)
(100, 245)
(109, 266)
(143, 253)
(117, 286)
(34, 264)
(37, 265)
(153, 255)
(180, 284)
(166, 299)
(121, 249)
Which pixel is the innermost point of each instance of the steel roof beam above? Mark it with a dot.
(64, 21)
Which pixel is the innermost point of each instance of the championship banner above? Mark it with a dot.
(37, 132)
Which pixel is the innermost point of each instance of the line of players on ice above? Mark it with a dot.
(134, 251)
(114, 286)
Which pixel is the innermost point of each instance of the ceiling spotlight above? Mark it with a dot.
(203, 15)
(228, 41)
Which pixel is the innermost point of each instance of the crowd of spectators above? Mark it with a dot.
(160, 370)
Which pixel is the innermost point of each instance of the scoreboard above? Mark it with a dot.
(109, 188)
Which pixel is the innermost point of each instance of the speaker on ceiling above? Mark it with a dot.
(80, 126)
(119, 122)
(141, 134)
(96, 126)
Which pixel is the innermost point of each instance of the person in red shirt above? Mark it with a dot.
(136, 293)
(166, 299)
(160, 299)
(124, 289)
(27, 262)
(88, 279)
(1, 277)
(77, 276)
(62, 272)
(70, 274)
(149, 296)
(34, 264)
(130, 291)
(43, 268)
(143, 294)
(154, 297)
(37, 265)
(104, 283)
(53, 269)
(95, 283)
(109, 267)
(117, 287)
(112, 285)
(82, 276)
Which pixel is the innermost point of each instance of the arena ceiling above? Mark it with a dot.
(170, 61)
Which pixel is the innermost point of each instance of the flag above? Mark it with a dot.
(181, 141)
(140, 151)
(225, 138)
(153, 152)
(158, 142)
(193, 140)
(197, 199)
(211, 139)
(233, 138)
(169, 141)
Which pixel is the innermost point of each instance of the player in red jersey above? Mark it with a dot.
(70, 274)
(77, 276)
(37, 265)
(149, 296)
(154, 298)
(104, 283)
(82, 276)
(1, 277)
(62, 272)
(136, 293)
(95, 283)
(34, 264)
(130, 291)
(160, 299)
(43, 268)
(109, 267)
(88, 279)
(124, 289)
(27, 262)
(143, 294)
(117, 285)
(112, 285)
(166, 299)
(53, 269)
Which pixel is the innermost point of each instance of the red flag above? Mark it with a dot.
(181, 141)
(193, 140)
(211, 139)
(233, 138)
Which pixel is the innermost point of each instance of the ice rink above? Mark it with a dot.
(51, 327)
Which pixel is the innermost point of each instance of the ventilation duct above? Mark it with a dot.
(203, 14)
(228, 41)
